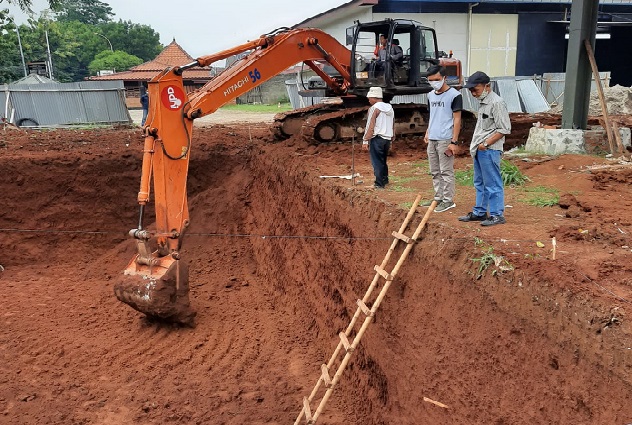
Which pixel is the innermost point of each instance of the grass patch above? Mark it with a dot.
(464, 177)
(258, 108)
(401, 180)
(488, 258)
(422, 166)
(541, 196)
(401, 189)
(518, 150)
(510, 174)
(406, 205)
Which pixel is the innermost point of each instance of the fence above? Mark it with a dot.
(530, 94)
(553, 85)
(58, 104)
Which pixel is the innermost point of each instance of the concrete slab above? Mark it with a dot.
(560, 141)
(555, 141)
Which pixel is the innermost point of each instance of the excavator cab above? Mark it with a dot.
(394, 54)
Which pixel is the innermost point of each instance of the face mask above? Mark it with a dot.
(436, 85)
(483, 95)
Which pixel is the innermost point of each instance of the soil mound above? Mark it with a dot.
(618, 98)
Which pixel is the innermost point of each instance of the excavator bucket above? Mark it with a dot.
(160, 291)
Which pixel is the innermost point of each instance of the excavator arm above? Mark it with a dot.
(156, 280)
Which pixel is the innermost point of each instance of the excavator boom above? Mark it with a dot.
(156, 281)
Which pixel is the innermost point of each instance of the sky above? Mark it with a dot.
(206, 27)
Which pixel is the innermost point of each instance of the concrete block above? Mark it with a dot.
(555, 141)
(596, 140)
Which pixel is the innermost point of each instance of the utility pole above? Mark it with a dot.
(50, 58)
(583, 26)
(17, 30)
(106, 39)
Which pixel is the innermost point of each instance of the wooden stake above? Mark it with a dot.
(436, 403)
(554, 242)
(617, 137)
(602, 98)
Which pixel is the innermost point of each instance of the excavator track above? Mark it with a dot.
(328, 123)
(335, 123)
(335, 126)
(287, 124)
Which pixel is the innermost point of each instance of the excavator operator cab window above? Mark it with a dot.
(350, 33)
(369, 69)
(428, 50)
(382, 55)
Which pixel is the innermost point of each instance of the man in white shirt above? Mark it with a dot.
(378, 135)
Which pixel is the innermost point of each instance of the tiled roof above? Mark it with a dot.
(172, 55)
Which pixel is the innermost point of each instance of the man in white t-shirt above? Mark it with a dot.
(378, 135)
(442, 137)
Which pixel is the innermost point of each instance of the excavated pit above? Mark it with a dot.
(517, 347)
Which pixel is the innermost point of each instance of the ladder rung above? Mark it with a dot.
(383, 273)
(403, 238)
(325, 375)
(308, 411)
(345, 342)
(366, 310)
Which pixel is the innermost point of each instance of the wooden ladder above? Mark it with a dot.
(347, 346)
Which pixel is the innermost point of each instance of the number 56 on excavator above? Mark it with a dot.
(156, 280)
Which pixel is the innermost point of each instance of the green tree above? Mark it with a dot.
(10, 61)
(117, 60)
(73, 44)
(136, 39)
(92, 12)
(25, 5)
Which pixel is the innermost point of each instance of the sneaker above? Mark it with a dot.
(444, 206)
(378, 187)
(495, 219)
(473, 217)
(428, 203)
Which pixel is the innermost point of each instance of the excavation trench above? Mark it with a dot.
(277, 260)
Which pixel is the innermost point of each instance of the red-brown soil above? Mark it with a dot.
(277, 258)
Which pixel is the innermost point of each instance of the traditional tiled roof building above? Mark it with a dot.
(172, 55)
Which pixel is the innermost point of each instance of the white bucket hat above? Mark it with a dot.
(375, 92)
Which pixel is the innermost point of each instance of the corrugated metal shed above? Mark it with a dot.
(296, 99)
(420, 99)
(54, 104)
(521, 94)
(553, 85)
(508, 90)
(531, 96)
(470, 103)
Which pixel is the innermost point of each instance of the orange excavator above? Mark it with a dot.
(156, 280)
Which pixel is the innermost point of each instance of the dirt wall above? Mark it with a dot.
(278, 258)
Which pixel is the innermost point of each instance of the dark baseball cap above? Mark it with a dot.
(479, 77)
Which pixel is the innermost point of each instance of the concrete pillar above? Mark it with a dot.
(578, 72)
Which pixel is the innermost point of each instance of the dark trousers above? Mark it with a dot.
(378, 149)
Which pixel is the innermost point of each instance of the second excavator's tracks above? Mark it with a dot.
(287, 124)
(336, 125)
(326, 123)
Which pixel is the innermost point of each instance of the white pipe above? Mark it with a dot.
(469, 35)
(50, 57)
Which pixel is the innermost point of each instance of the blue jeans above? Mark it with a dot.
(378, 149)
(142, 122)
(490, 194)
